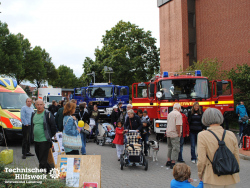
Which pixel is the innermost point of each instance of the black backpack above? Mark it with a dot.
(224, 162)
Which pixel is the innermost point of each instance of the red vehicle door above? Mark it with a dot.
(143, 98)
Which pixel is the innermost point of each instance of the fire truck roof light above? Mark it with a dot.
(197, 72)
(165, 74)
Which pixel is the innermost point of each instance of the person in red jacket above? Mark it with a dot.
(118, 141)
(185, 132)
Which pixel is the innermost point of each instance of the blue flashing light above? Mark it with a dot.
(197, 72)
(1, 83)
(58, 93)
(91, 84)
(7, 81)
(165, 74)
(14, 83)
(48, 93)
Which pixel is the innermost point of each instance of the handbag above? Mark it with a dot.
(86, 130)
(71, 142)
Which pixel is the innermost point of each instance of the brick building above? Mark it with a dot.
(192, 30)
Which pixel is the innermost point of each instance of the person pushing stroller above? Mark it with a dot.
(133, 122)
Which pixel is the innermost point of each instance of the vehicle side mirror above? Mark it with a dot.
(219, 88)
(152, 90)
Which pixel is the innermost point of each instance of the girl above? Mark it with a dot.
(119, 131)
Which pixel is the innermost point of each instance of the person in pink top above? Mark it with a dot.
(118, 141)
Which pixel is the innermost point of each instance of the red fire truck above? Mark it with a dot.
(158, 96)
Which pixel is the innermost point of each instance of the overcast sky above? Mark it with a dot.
(71, 30)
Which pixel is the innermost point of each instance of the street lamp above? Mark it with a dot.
(93, 73)
(108, 70)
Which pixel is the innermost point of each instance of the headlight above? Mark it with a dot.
(163, 125)
(15, 122)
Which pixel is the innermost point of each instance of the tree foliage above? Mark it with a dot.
(129, 50)
(40, 68)
(18, 60)
(66, 78)
(241, 79)
(210, 68)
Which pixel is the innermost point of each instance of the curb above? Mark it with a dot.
(244, 157)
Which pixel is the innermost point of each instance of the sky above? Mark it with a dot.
(71, 30)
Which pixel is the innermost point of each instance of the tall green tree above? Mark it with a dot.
(4, 32)
(40, 69)
(130, 51)
(241, 79)
(66, 78)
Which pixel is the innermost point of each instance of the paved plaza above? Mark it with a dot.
(158, 175)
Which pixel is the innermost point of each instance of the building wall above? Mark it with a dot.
(222, 31)
(173, 36)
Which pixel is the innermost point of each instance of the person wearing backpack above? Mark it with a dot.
(209, 151)
(241, 111)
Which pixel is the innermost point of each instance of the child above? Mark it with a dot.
(145, 115)
(182, 173)
(119, 131)
(145, 134)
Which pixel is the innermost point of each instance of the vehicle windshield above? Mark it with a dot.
(13, 100)
(96, 92)
(184, 89)
(56, 98)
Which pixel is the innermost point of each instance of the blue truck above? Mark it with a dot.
(105, 95)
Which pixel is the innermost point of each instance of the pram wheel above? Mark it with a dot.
(145, 163)
(121, 162)
(97, 142)
(113, 145)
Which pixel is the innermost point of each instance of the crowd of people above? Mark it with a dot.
(41, 126)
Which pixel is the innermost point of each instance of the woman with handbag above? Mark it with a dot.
(83, 116)
(71, 133)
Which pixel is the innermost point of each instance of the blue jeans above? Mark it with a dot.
(83, 150)
(193, 141)
(242, 127)
(181, 148)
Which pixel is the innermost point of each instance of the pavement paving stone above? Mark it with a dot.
(158, 175)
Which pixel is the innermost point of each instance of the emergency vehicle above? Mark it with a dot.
(49, 94)
(12, 99)
(105, 95)
(159, 95)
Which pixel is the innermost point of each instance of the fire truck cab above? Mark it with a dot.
(159, 95)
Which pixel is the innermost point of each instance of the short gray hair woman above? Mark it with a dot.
(207, 146)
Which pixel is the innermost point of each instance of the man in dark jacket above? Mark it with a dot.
(133, 121)
(44, 128)
(53, 108)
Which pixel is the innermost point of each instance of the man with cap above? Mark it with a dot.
(114, 115)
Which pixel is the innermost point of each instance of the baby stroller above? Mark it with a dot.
(133, 153)
(106, 134)
(93, 127)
